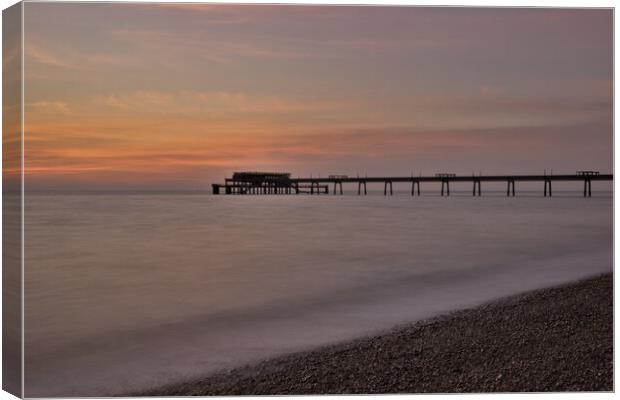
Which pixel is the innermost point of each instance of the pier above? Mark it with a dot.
(264, 183)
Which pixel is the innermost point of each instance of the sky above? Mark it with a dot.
(178, 96)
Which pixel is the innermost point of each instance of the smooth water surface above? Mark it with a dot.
(128, 291)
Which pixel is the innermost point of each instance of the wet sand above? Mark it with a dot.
(556, 339)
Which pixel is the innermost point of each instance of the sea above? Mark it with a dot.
(127, 291)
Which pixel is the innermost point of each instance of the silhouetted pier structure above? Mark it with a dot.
(282, 183)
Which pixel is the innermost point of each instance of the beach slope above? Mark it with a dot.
(557, 339)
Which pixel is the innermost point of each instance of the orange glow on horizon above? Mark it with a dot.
(193, 92)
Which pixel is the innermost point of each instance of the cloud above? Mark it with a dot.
(215, 103)
(48, 107)
(72, 60)
(41, 55)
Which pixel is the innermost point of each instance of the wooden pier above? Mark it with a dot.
(257, 183)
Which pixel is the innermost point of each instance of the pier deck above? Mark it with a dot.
(269, 183)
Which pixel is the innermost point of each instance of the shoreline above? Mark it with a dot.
(554, 339)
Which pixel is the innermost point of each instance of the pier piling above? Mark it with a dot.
(413, 187)
(359, 187)
(477, 184)
(337, 183)
(548, 182)
(587, 184)
(447, 185)
(511, 184)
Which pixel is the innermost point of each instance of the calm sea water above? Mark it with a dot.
(128, 291)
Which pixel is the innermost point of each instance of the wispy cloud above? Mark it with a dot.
(48, 107)
(40, 55)
(74, 60)
(215, 102)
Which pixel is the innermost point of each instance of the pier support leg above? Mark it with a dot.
(447, 184)
(550, 192)
(385, 189)
(511, 185)
(337, 185)
(585, 186)
(477, 185)
(548, 182)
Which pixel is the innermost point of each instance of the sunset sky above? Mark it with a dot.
(177, 96)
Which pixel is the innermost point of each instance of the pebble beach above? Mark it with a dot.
(550, 340)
